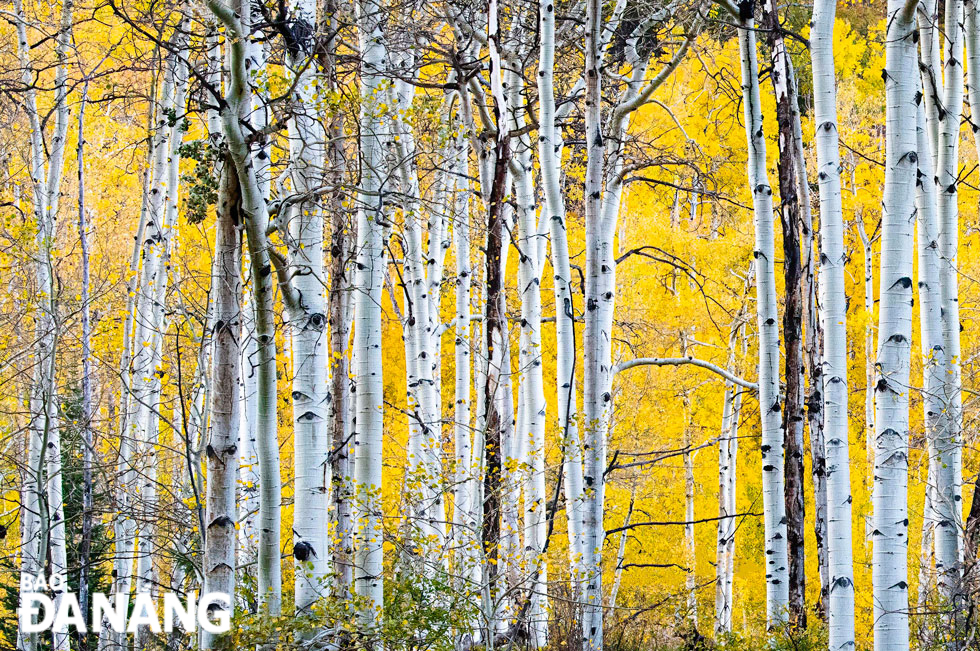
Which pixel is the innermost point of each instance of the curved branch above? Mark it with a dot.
(679, 361)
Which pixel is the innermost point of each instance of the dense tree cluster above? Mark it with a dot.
(430, 325)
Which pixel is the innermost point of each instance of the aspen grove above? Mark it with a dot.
(470, 325)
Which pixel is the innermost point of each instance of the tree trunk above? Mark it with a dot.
(948, 499)
(890, 565)
(550, 146)
(256, 214)
(972, 31)
(789, 214)
(307, 316)
(88, 449)
(222, 448)
(840, 600)
(372, 234)
(774, 506)
(600, 282)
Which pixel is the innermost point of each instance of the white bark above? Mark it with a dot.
(834, 324)
(690, 549)
(307, 313)
(256, 214)
(421, 314)
(43, 530)
(533, 412)
(152, 324)
(600, 281)
(550, 145)
(248, 463)
(465, 494)
(889, 558)
(727, 485)
(774, 507)
(372, 230)
(948, 445)
(933, 352)
(867, 246)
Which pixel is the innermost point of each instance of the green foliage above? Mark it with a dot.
(201, 183)
(99, 579)
(419, 614)
(812, 638)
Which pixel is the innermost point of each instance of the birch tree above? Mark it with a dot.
(890, 578)
(222, 448)
(790, 208)
(372, 234)
(840, 608)
(43, 529)
(305, 304)
(256, 220)
(777, 577)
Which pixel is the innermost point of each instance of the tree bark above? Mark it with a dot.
(833, 302)
(372, 234)
(222, 448)
(890, 565)
(774, 505)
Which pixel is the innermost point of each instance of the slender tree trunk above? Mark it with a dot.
(496, 349)
(727, 471)
(88, 450)
(550, 145)
(256, 216)
(372, 233)
(889, 558)
(148, 322)
(222, 448)
(948, 499)
(307, 316)
(777, 572)
(339, 314)
(465, 521)
(790, 218)
(600, 279)
(840, 600)
(972, 38)
(149, 362)
(43, 531)
(690, 549)
(867, 247)
(249, 473)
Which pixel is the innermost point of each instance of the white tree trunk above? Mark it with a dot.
(727, 485)
(43, 530)
(889, 558)
(421, 314)
(307, 316)
(867, 247)
(550, 145)
(248, 459)
(256, 214)
(777, 578)
(372, 229)
(533, 412)
(949, 463)
(933, 352)
(152, 325)
(833, 301)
